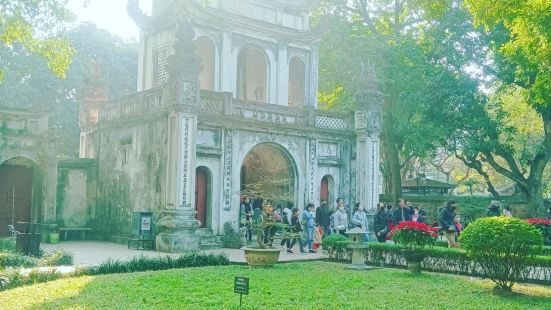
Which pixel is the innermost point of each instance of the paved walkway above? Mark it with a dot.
(91, 253)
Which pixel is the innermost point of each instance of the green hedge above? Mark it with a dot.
(11, 259)
(142, 263)
(11, 278)
(437, 259)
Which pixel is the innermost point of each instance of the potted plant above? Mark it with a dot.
(54, 236)
(414, 236)
(263, 254)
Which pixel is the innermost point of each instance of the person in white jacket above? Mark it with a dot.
(340, 220)
(359, 219)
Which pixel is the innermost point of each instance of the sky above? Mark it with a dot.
(109, 14)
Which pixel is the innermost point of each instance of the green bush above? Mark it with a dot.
(231, 238)
(11, 259)
(503, 247)
(336, 246)
(58, 258)
(7, 244)
(452, 260)
(143, 263)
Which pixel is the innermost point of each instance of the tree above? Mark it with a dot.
(414, 45)
(518, 38)
(35, 26)
(29, 83)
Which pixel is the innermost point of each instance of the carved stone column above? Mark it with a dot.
(177, 223)
(368, 127)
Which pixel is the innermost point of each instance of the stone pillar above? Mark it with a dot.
(368, 120)
(177, 224)
(312, 171)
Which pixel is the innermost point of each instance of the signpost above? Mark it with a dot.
(241, 286)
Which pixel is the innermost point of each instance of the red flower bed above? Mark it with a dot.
(421, 227)
(538, 221)
(414, 234)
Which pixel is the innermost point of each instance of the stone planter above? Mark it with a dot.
(413, 259)
(257, 257)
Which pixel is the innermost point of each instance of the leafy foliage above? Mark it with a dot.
(544, 225)
(142, 263)
(35, 26)
(502, 246)
(414, 234)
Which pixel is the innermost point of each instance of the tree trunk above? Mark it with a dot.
(393, 181)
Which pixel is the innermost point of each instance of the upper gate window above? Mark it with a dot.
(296, 82)
(204, 47)
(252, 75)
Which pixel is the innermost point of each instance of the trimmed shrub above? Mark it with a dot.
(335, 246)
(544, 225)
(231, 238)
(503, 247)
(142, 263)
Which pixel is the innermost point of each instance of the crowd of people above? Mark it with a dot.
(315, 223)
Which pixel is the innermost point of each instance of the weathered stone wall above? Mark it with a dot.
(132, 172)
(76, 193)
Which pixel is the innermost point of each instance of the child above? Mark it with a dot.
(458, 226)
(318, 235)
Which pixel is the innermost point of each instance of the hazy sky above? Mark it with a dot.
(109, 14)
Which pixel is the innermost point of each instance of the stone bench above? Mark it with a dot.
(66, 230)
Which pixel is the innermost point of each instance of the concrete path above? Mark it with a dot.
(91, 253)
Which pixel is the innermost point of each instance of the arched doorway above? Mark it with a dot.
(269, 172)
(326, 187)
(16, 192)
(252, 75)
(202, 195)
(296, 82)
(204, 47)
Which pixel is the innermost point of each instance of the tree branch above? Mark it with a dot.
(367, 18)
(477, 166)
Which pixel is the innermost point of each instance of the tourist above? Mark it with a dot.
(296, 228)
(507, 211)
(547, 204)
(494, 209)
(418, 215)
(267, 218)
(318, 237)
(360, 220)
(323, 218)
(381, 223)
(457, 225)
(402, 213)
(446, 217)
(246, 210)
(286, 219)
(340, 220)
(389, 219)
(308, 218)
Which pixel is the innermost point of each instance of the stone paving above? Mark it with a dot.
(91, 253)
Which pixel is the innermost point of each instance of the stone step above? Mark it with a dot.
(210, 242)
(203, 231)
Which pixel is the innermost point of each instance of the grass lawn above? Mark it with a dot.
(314, 285)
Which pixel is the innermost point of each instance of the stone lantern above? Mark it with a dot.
(358, 247)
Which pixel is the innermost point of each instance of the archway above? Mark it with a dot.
(252, 75)
(204, 47)
(296, 82)
(268, 172)
(326, 188)
(202, 195)
(16, 192)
